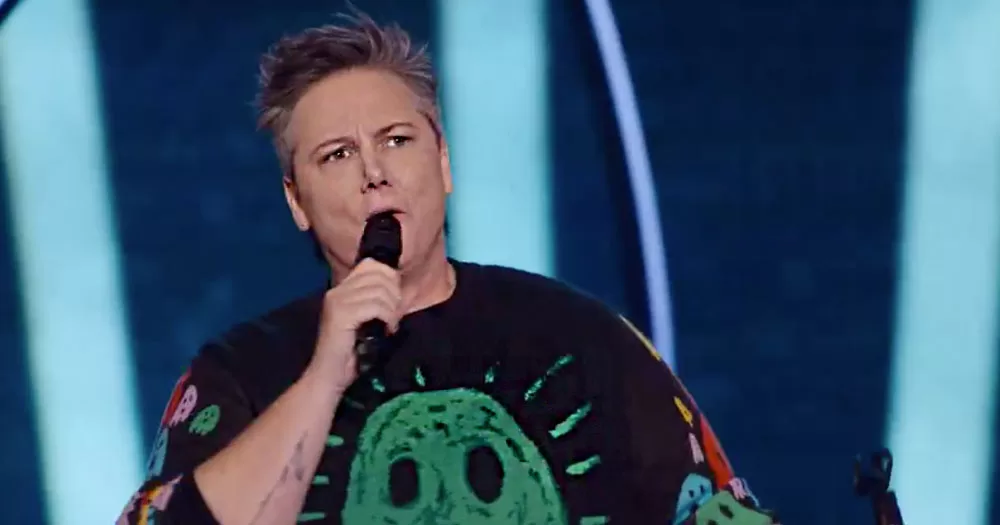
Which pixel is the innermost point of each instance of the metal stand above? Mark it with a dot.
(872, 480)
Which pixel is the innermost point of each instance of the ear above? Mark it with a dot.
(445, 166)
(294, 204)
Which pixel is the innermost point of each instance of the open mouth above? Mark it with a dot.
(384, 211)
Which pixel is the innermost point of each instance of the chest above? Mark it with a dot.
(493, 434)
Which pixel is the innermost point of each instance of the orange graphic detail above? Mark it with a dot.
(717, 461)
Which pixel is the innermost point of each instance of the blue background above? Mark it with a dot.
(776, 133)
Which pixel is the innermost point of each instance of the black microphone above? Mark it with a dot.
(381, 241)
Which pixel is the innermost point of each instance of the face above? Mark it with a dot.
(362, 143)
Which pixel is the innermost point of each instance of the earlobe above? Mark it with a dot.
(446, 168)
(292, 198)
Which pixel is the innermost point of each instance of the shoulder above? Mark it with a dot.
(545, 300)
(511, 285)
(274, 329)
(267, 353)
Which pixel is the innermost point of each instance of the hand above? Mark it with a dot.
(370, 291)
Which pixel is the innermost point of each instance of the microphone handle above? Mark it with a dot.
(371, 337)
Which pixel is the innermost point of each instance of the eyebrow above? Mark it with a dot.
(381, 132)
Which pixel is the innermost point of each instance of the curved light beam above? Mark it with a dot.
(654, 254)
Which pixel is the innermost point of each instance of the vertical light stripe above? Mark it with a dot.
(495, 97)
(640, 174)
(945, 359)
(67, 254)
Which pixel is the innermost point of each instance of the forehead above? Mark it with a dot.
(351, 101)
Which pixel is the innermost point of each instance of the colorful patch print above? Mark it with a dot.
(739, 488)
(160, 496)
(206, 420)
(175, 398)
(145, 504)
(154, 467)
(685, 412)
(185, 407)
(697, 455)
(717, 461)
(723, 509)
(695, 491)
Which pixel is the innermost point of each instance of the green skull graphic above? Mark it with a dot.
(435, 439)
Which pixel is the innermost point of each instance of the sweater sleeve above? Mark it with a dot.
(676, 466)
(206, 411)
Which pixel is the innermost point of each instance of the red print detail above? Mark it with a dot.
(175, 398)
(717, 461)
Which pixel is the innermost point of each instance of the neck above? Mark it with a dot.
(425, 283)
(428, 283)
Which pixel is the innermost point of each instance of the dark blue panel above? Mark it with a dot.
(20, 479)
(776, 132)
(595, 231)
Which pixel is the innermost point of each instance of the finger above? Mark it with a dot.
(371, 279)
(369, 308)
(369, 266)
(381, 290)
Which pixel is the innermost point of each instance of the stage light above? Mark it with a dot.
(640, 175)
(494, 83)
(944, 367)
(68, 262)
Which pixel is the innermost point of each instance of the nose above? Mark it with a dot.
(374, 179)
(374, 175)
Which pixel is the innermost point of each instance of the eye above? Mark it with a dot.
(340, 153)
(397, 140)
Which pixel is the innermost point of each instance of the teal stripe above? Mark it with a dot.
(582, 467)
(68, 260)
(306, 517)
(499, 150)
(944, 365)
(321, 480)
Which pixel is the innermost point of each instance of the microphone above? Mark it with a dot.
(381, 241)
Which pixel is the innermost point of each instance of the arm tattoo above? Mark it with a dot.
(297, 464)
(298, 469)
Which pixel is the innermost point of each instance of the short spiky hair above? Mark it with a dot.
(297, 62)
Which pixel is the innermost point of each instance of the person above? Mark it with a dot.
(506, 397)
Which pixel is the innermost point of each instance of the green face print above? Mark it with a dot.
(417, 451)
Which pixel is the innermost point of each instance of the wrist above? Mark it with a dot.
(322, 380)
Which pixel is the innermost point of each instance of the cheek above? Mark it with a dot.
(323, 195)
(332, 214)
(422, 182)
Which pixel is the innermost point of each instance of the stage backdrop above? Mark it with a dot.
(777, 137)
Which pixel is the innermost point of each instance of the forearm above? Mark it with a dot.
(263, 475)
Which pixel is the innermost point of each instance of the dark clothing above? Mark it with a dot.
(517, 400)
